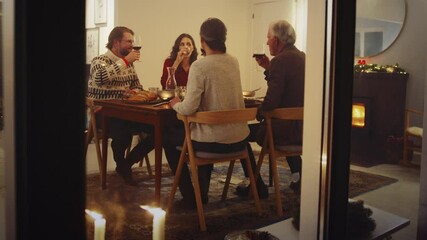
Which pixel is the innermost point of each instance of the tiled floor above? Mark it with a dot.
(400, 198)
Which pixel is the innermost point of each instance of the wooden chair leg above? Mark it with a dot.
(405, 149)
(147, 162)
(88, 139)
(177, 177)
(92, 134)
(227, 181)
(270, 172)
(253, 186)
(197, 193)
(259, 163)
(279, 208)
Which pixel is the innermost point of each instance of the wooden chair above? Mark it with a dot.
(202, 158)
(412, 137)
(275, 150)
(95, 134)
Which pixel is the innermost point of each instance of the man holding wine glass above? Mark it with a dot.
(285, 80)
(111, 75)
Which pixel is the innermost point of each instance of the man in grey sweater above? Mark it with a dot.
(213, 84)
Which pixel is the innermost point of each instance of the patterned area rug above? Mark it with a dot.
(127, 221)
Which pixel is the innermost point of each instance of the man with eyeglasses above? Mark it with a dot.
(111, 75)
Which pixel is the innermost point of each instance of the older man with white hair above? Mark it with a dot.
(285, 79)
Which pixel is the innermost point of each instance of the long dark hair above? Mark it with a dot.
(175, 48)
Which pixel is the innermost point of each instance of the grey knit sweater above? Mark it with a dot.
(214, 84)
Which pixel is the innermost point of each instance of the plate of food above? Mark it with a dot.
(141, 97)
(250, 235)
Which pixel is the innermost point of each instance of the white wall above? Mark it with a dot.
(409, 52)
(104, 29)
(422, 217)
(161, 21)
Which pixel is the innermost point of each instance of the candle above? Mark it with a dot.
(99, 233)
(158, 222)
(99, 229)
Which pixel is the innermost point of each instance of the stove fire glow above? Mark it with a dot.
(358, 115)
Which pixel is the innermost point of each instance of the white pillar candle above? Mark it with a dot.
(99, 233)
(158, 222)
(99, 225)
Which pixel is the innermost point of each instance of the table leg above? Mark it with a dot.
(158, 160)
(104, 143)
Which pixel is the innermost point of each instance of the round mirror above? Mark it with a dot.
(378, 24)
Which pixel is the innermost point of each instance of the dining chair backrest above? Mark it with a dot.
(269, 147)
(294, 113)
(221, 117)
(195, 159)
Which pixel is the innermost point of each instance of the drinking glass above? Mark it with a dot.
(186, 51)
(181, 91)
(259, 51)
(137, 44)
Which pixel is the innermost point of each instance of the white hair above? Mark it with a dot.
(284, 31)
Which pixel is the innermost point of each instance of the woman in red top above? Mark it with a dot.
(183, 54)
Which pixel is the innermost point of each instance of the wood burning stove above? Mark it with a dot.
(378, 113)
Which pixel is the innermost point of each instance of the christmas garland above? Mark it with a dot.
(375, 68)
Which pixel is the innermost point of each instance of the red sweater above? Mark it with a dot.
(181, 76)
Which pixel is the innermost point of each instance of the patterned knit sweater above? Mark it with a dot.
(110, 77)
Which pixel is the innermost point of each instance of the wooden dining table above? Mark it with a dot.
(156, 116)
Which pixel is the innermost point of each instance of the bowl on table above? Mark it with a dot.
(249, 93)
(166, 94)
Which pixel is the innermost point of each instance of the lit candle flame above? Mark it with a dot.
(158, 221)
(99, 225)
(153, 210)
(93, 214)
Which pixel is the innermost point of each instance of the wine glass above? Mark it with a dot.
(137, 44)
(259, 51)
(186, 51)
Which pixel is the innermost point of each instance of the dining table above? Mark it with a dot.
(157, 115)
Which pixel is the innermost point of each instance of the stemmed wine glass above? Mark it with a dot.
(137, 44)
(186, 51)
(259, 52)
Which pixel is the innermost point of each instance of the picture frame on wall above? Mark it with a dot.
(92, 44)
(100, 12)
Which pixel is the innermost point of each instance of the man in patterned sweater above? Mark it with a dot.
(112, 74)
